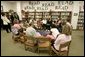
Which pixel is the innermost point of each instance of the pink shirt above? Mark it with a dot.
(50, 36)
(17, 26)
(62, 38)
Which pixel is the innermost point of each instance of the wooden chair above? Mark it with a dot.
(44, 44)
(22, 37)
(31, 44)
(16, 38)
(62, 53)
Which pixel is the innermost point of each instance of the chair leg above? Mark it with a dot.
(35, 49)
(63, 54)
(49, 52)
(68, 53)
(38, 50)
(25, 47)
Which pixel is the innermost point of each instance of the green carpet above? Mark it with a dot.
(9, 48)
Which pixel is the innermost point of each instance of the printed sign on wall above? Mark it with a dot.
(48, 5)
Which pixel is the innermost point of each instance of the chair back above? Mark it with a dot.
(67, 44)
(44, 40)
(44, 44)
(31, 43)
(30, 39)
(62, 53)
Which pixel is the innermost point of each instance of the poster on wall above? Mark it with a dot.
(75, 14)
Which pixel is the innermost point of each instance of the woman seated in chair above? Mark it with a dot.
(15, 29)
(17, 24)
(50, 36)
(53, 34)
(64, 37)
(30, 31)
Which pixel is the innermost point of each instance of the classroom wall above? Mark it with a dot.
(74, 18)
(7, 6)
(73, 6)
(18, 9)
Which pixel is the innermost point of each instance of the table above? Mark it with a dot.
(43, 32)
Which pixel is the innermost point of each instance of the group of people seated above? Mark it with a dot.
(58, 30)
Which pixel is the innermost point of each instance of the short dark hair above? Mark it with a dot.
(54, 21)
(50, 33)
(3, 14)
(20, 30)
(68, 20)
(30, 24)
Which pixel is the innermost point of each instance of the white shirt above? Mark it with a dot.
(62, 38)
(5, 20)
(55, 32)
(30, 31)
(30, 21)
(44, 21)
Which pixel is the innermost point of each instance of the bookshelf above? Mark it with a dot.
(61, 15)
(50, 14)
(80, 23)
(66, 15)
(46, 15)
(55, 15)
(31, 15)
(39, 15)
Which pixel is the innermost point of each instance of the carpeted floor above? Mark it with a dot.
(9, 48)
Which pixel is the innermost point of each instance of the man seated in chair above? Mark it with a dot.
(64, 37)
(53, 34)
